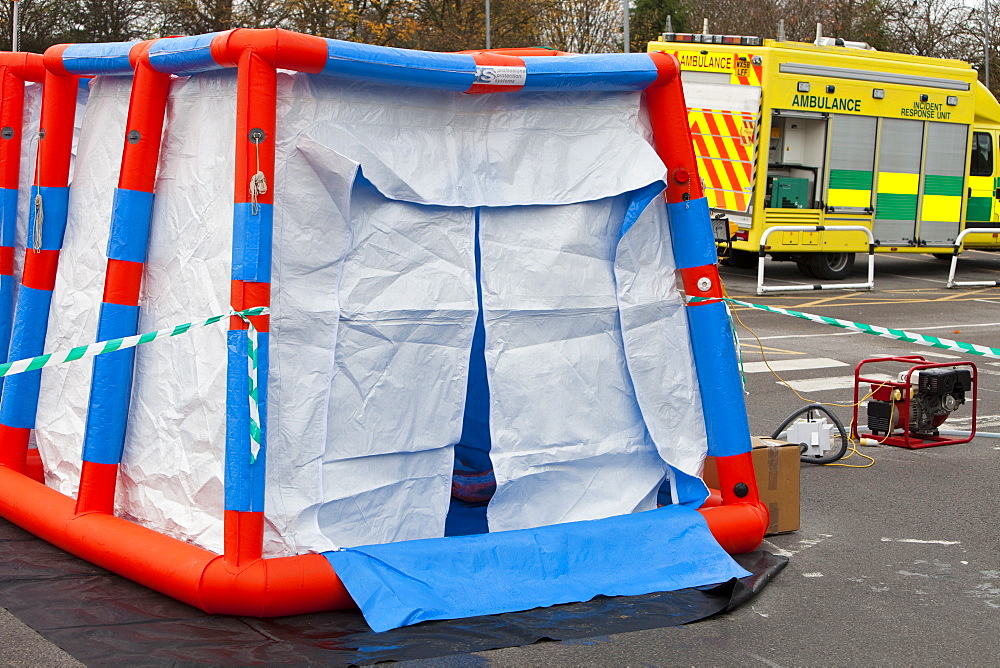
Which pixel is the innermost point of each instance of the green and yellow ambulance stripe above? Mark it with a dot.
(942, 198)
(850, 188)
(897, 196)
(980, 209)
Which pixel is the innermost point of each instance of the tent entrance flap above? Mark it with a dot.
(399, 584)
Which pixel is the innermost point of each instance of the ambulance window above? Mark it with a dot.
(982, 155)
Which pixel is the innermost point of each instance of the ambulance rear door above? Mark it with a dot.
(725, 122)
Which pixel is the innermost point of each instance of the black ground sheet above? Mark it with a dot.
(101, 618)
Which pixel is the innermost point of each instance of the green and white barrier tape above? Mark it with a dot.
(112, 345)
(884, 332)
(252, 349)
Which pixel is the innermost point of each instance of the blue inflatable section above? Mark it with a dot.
(387, 65)
(184, 55)
(107, 58)
(404, 67)
(692, 240)
(245, 479)
(719, 379)
(602, 71)
(399, 584)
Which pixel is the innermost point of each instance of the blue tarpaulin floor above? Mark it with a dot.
(405, 583)
(98, 618)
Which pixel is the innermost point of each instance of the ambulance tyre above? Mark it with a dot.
(832, 266)
(946, 257)
(741, 259)
(805, 268)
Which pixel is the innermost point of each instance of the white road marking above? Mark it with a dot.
(911, 277)
(981, 420)
(766, 662)
(921, 541)
(803, 544)
(812, 575)
(793, 365)
(825, 384)
(959, 327)
(941, 355)
(804, 336)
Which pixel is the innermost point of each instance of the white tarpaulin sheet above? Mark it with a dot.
(172, 471)
(76, 299)
(378, 197)
(393, 284)
(569, 440)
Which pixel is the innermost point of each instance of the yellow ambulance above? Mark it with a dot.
(838, 135)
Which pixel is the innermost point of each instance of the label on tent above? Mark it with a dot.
(501, 75)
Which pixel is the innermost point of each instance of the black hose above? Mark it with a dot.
(831, 456)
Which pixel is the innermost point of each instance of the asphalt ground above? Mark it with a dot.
(894, 564)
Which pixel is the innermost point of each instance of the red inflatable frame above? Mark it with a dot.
(240, 581)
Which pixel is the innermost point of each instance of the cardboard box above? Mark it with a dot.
(776, 467)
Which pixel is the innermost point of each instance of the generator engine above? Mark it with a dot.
(934, 394)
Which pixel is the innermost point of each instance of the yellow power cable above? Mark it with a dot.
(785, 382)
(851, 451)
(852, 448)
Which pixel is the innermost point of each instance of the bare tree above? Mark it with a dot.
(450, 25)
(936, 28)
(736, 17)
(583, 26)
(194, 17)
(855, 20)
(325, 18)
(384, 22)
(110, 20)
(457, 25)
(260, 13)
(42, 24)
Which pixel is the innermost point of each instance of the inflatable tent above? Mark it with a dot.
(432, 266)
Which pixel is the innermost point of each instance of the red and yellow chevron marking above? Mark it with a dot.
(745, 72)
(724, 146)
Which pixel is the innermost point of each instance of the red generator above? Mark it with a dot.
(906, 411)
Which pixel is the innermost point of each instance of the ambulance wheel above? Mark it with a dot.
(945, 257)
(741, 259)
(805, 268)
(832, 266)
